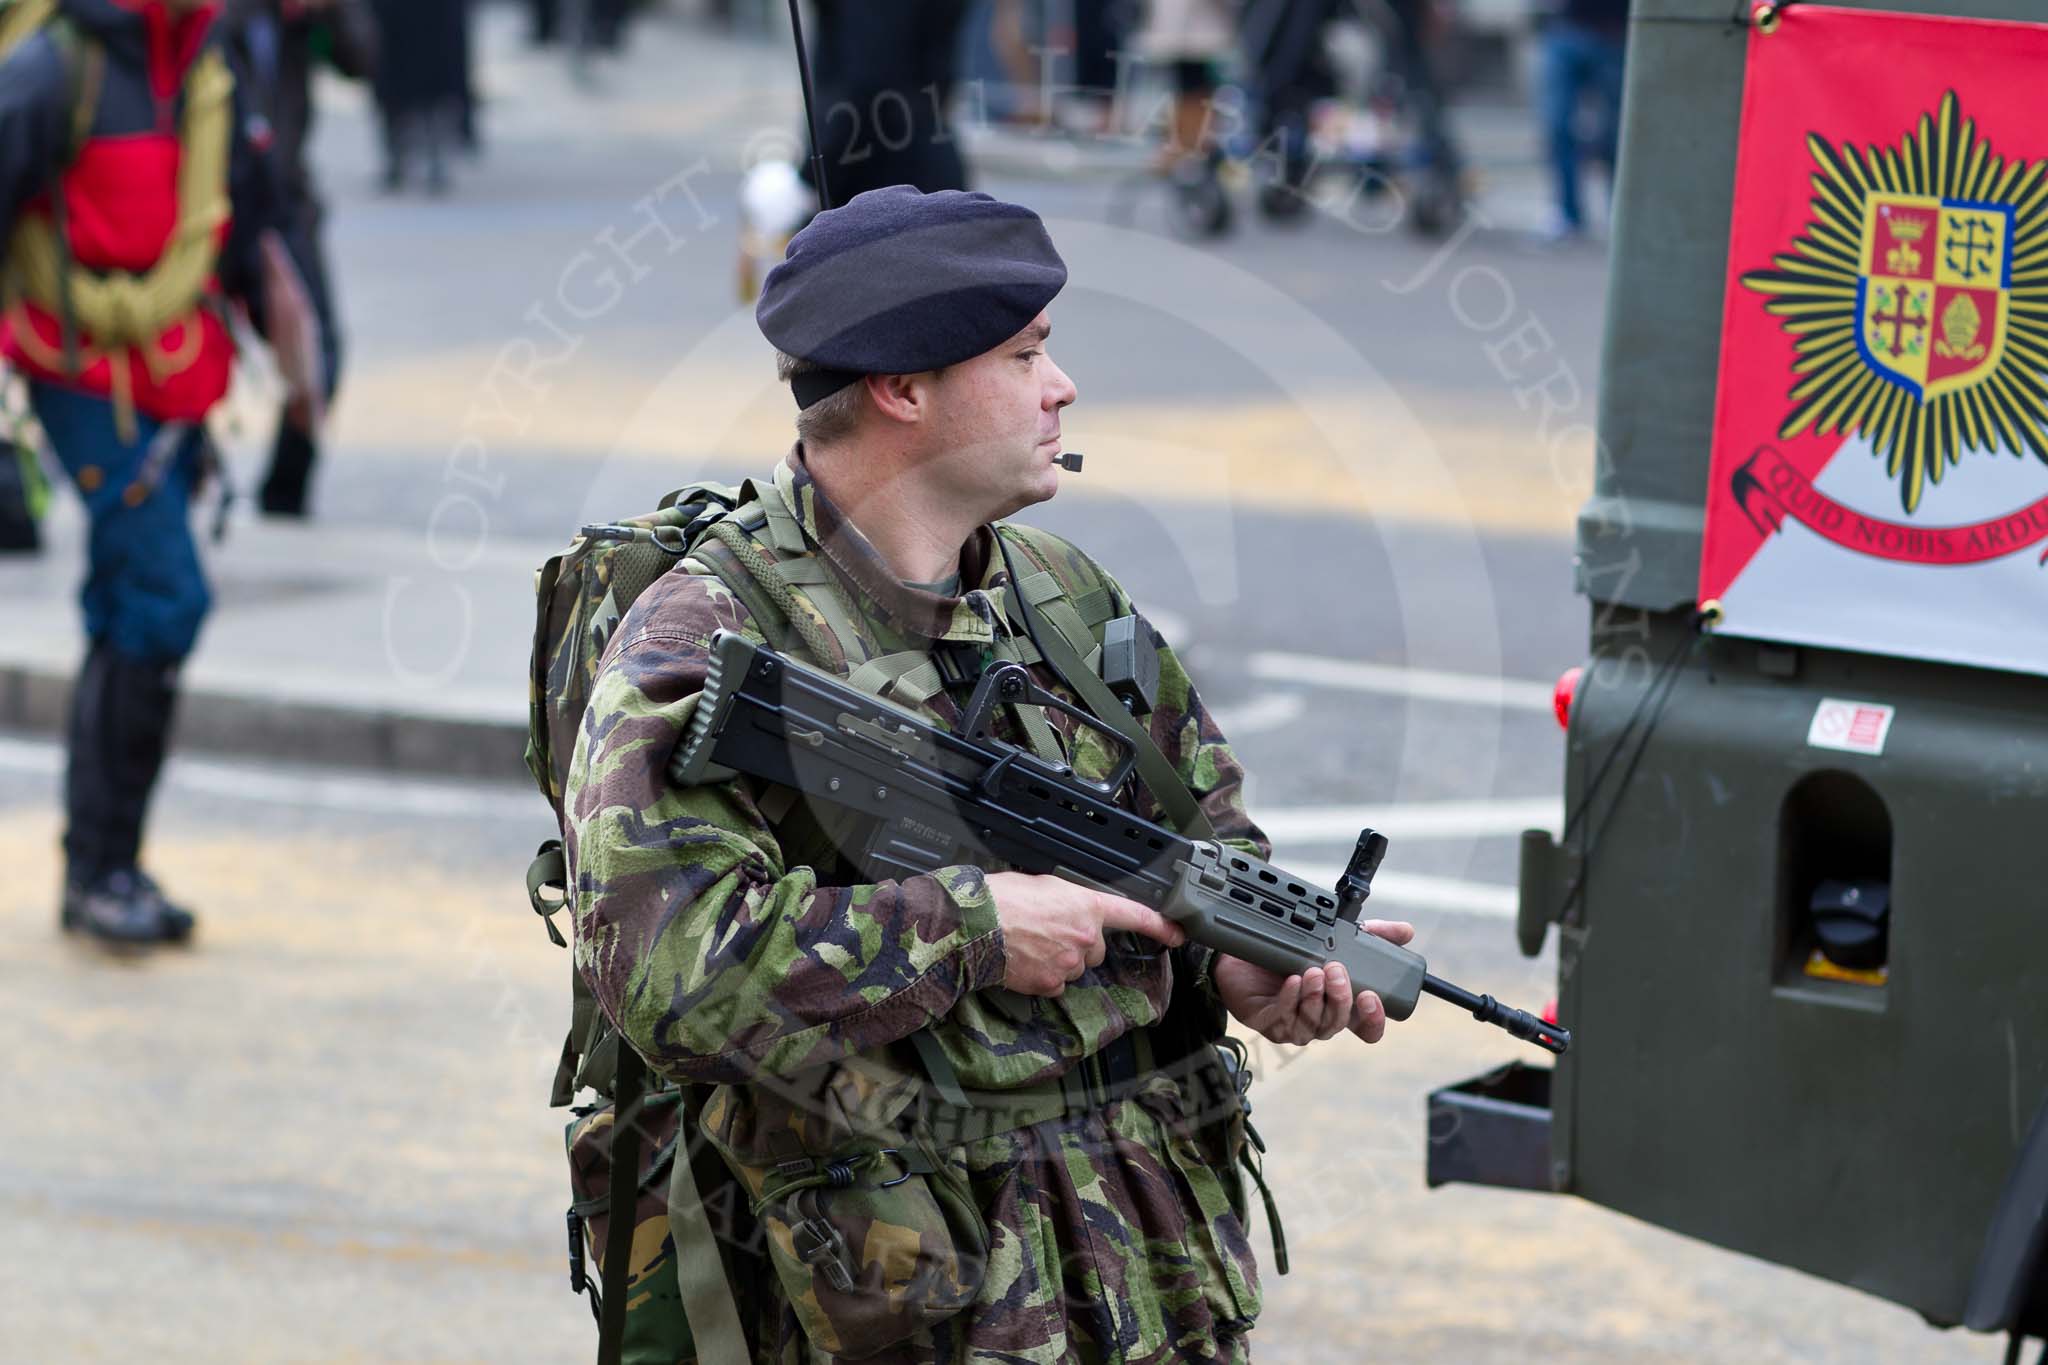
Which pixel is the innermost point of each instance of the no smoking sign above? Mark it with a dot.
(1857, 727)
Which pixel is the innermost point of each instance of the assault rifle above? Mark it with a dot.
(943, 797)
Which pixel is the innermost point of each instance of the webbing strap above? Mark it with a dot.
(708, 1304)
(821, 590)
(1045, 592)
(764, 573)
(1039, 734)
(1038, 731)
(617, 1270)
(714, 555)
(785, 532)
(1068, 623)
(908, 676)
(1090, 609)
(1160, 779)
(85, 67)
(22, 20)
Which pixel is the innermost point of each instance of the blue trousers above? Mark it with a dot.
(1576, 59)
(145, 593)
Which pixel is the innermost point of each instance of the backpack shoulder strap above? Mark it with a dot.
(1064, 656)
(85, 77)
(20, 19)
(85, 70)
(763, 586)
(759, 552)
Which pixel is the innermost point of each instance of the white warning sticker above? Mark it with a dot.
(1857, 727)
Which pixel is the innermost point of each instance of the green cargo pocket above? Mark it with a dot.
(656, 1331)
(873, 1237)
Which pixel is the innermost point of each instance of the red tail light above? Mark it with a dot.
(1561, 699)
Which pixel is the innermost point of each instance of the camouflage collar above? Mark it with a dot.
(864, 570)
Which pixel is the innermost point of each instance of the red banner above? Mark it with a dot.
(1883, 376)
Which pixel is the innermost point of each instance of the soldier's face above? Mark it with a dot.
(997, 427)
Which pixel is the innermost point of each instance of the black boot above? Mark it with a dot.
(146, 697)
(291, 469)
(120, 728)
(101, 894)
(113, 906)
(175, 921)
(88, 773)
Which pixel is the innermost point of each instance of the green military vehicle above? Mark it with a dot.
(1803, 948)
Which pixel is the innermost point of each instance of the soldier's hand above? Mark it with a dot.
(1052, 929)
(1317, 1003)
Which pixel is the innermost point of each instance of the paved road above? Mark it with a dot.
(321, 1135)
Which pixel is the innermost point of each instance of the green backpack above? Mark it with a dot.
(582, 595)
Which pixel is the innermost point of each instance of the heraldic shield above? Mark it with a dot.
(1916, 299)
(1934, 290)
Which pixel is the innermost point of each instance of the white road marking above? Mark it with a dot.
(1272, 711)
(1414, 891)
(1170, 624)
(1352, 675)
(382, 794)
(1413, 820)
(368, 793)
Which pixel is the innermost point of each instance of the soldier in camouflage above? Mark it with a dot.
(728, 933)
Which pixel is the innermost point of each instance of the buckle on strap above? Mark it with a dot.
(549, 870)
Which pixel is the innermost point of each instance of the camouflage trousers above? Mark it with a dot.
(1117, 1237)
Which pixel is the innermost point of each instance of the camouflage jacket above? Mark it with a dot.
(1118, 1234)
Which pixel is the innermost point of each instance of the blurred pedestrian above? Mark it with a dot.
(1192, 39)
(422, 86)
(1584, 42)
(885, 77)
(281, 42)
(599, 24)
(132, 190)
(1288, 61)
(1102, 28)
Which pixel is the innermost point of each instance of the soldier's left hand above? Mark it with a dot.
(1317, 1003)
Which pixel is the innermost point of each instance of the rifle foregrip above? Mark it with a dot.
(1243, 906)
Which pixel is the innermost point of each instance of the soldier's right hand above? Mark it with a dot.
(1053, 930)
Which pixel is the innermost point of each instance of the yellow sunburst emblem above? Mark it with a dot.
(1917, 300)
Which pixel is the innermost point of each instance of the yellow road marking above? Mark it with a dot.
(1259, 452)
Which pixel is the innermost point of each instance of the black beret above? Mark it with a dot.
(896, 281)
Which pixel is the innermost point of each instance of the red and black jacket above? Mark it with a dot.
(120, 188)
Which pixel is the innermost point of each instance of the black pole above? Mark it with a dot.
(803, 69)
